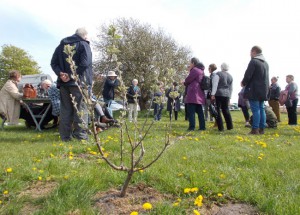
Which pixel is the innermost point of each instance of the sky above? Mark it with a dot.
(216, 31)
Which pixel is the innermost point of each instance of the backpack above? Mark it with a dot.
(283, 97)
(205, 83)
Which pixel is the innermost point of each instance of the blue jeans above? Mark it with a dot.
(108, 104)
(259, 114)
(192, 109)
(157, 111)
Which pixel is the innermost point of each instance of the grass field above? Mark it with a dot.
(41, 175)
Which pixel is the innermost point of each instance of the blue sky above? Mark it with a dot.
(217, 31)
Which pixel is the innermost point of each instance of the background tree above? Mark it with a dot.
(14, 58)
(146, 54)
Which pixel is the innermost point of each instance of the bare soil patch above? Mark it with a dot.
(39, 189)
(110, 202)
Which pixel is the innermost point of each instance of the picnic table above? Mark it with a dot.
(28, 102)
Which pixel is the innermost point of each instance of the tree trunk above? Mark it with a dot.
(126, 183)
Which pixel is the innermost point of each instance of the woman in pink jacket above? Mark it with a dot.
(195, 96)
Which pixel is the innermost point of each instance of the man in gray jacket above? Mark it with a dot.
(256, 82)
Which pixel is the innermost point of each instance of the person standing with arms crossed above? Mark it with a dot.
(256, 83)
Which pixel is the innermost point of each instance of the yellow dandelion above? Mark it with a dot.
(5, 192)
(198, 201)
(0, 202)
(40, 178)
(220, 194)
(196, 212)
(105, 155)
(93, 152)
(34, 168)
(134, 213)
(194, 189)
(179, 200)
(70, 157)
(187, 190)
(66, 177)
(52, 155)
(184, 158)
(39, 136)
(103, 149)
(71, 153)
(179, 174)
(261, 154)
(260, 158)
(89, 149)
(141, 170)
(175, 204)
(196, 139)
(147, 206)
(9, 170)
(222, 176)
(204, 171)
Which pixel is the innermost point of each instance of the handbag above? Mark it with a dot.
(29, 91)
(213, 110)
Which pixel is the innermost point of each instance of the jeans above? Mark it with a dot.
(292, 113)
(157, 111)
(108, 104)
(192, 109)
(259, 114)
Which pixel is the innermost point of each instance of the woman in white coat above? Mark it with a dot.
(10, 98)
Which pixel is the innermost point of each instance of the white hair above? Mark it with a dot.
(224, 67)
(135, 80)
(82, 32)
(47, 81)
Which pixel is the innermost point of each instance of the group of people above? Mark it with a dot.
(256, 90)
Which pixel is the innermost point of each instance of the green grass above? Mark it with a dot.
(230, 163)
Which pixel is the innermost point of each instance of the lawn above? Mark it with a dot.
(41, 175)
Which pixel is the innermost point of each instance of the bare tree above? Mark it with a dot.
(145, 54)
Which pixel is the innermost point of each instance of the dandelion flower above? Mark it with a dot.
(220, 194)
(40, 178)
(180, 174)
(184, 158)
(198, 201)
(141, 170)
(0, 202)
(222, 176)
(196, 212)
(187, 190)
(204, 171)
(260, 158)
(175, 204)
(66, 177)
(5, 192)
(70, 157)
(194, 189)
(34, 168)
(147, 206)
(134, 213)
(8, 170)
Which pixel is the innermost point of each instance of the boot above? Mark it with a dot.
(104, 119)
(254, 131)
(261, 131)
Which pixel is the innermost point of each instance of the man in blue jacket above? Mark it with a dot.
(71, 124)
(256, 83)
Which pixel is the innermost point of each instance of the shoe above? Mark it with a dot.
(104, 119)
(254, 131)
(98, 129)
(261, 131)
(247, 125)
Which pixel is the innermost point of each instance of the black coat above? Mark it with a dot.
(130, 94)
(256, 79)
(170, 100)
(82, 59)
(109, 89)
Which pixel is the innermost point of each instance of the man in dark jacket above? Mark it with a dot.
(71, 124)
(108, 92)
(256, 82)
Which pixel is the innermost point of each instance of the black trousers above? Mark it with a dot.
(292, 113)
(222, 103)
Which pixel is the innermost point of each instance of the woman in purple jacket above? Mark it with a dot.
(195, 96)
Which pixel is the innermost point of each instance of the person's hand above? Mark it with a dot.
(64, 77)
(212, 98)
